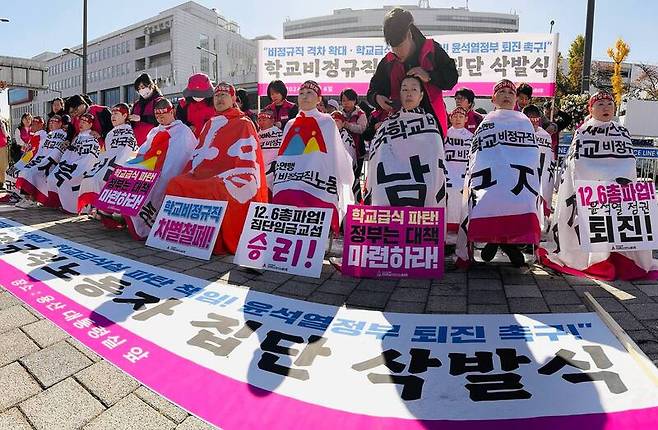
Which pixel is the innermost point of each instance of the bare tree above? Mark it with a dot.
(646, 84)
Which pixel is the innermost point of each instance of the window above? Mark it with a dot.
(111, 97)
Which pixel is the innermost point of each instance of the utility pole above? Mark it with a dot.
(587, 54)
(84, 47)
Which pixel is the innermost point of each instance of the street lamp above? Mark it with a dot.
(4, 20)
(216, 61)
(84, 48)
(551, 30)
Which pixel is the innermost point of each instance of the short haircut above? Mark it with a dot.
(525, 89)
(531, 110)
(61, 100)
(467, 93)
(397, 23)
(162, 103)
(75, 101)
(350, 94)
(278, 86)
(416, 78)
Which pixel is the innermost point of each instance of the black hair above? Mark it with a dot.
(241, 94)
(162, 103)
(350, 94)
(397, 24)
(422, 88)
(467, 93)
(531, 110)
(25, 115)
(144, 79)
(524, 88)
(278, 86)
(324, 101)
(61, 100)
(74, 101)
(481, 111)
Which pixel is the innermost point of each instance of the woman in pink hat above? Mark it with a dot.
(197, 107)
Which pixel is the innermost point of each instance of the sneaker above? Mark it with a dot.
(26, 204)
(489, 252)
(514, 254)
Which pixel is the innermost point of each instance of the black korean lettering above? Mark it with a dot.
(269, 361)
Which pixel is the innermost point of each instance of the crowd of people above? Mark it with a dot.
(495, 173)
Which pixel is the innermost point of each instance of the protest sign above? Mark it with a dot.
(481, 60)
(187, 226)
(615, 217)
(126, 190)
(284, 239)
(309, 365)
(396, 242)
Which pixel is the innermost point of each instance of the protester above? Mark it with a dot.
(283, 109)
(120, 146)
(412, 54)
(601, 151)
(323, 106)
(561, 120)
(64, 180)
(407, 169)
(501, 183)
(167, 149)
(547, 164)
(80, 104)
(242, 101)
(355, 122)
(465, 99)
(348, 141)
(270, 141)
(38, 136)
(227, 165)
(142, 115)
(457, 151)
(523, 96)
(312, 148)
(56, 108)
(33, 178)
(332, 106)
(4, 153)
(196, 106)
(23, 133)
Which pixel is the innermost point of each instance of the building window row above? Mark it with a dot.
(478, 19)
(322, 23)
(92, 57)
(111, 72)
(427, 29)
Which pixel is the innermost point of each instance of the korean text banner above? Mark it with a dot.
(616, 217)
(395, 242)
(304, 365)
(284, 239)
(187, 226)
(126, 190)
(481, 60)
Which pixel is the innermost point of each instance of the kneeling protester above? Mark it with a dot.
(406, 157)
(270, 141)
(64, 181)
(120, 146)
(458, 151)
(502, 183)
(601, 151)
(227, 165)
(33, 178)
(313, 168)
(167, 149)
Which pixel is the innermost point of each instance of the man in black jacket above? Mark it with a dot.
(412, 54)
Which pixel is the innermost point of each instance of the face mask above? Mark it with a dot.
(145, 92)
(197, 99)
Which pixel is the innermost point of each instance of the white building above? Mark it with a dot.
(431, 21)
(164, 46)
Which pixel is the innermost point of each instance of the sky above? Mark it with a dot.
(50, 25)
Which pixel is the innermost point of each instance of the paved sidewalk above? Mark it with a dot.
(50, 381)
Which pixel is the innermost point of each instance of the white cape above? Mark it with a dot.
(457, 150)
(33, 178)
(406, 162)
(64, 181)
(270, 142)
(547, 167)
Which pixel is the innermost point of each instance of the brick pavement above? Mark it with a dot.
(50, 381)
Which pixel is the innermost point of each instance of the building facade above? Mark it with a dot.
(431, 21)
(164, 46)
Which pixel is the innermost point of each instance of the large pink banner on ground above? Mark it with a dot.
(126, 190)
(222, 352)
(394, 242)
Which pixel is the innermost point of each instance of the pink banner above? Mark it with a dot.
(394, 242)
(229, 403)
(126, 191)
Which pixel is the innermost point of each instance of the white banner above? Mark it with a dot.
(187, 226)
(284, 239)
(481, 60)
(614, 217)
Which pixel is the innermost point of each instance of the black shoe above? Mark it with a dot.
(489, 252)
(514, 254)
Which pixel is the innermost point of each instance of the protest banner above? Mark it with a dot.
(481, 60)
(395, 242)
(284, 239)
(187, 226)
(615, 217)
(309, 365)
(126, 190)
